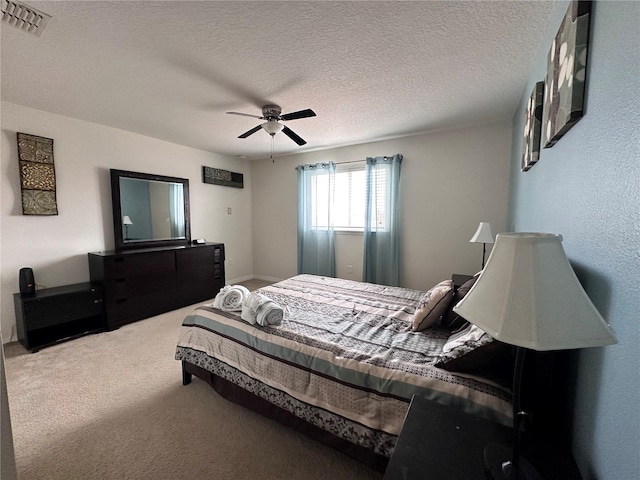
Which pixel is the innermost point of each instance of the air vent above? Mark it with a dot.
(24, 17)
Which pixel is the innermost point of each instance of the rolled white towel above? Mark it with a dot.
(270, 313)
(261, 309)
(250, 307)
(234, 298)
(217, 302)
(230, 298)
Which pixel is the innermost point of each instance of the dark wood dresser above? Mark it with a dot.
(141, 283)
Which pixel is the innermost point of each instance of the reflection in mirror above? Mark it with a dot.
(149, 210)
(154, 210)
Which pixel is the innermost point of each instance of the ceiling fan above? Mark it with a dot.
(273, 114)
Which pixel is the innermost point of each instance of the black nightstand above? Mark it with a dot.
(52, 315)
(460, 279)
(438, 442)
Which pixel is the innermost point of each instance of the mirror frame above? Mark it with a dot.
(116, 202)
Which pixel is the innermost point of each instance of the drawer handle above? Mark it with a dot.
(118, 259)
(121, 300)
(121, 280)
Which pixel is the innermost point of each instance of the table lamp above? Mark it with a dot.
(483, 235)
(529, 296)
(126, 221)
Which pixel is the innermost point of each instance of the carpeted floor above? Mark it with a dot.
(112, 406)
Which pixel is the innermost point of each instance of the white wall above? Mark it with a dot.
(56, 246)
(451, 180)
(7, 456)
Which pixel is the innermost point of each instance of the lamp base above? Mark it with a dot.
(498, 466)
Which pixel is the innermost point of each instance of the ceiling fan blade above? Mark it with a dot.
(300, 114)
(245, 115)
(250, 132)
(293, 136)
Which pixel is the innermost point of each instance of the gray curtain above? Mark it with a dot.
(316, 244)
(381, 227)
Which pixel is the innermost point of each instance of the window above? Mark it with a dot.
(346, 202)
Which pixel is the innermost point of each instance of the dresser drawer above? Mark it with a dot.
(143, 306)
(198, 292)
(135, 285)
(120, 266)
(195, 256)
(202, 273)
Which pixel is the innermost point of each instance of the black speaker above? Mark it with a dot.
(27, 282)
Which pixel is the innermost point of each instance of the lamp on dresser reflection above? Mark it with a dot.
(483, 235)
(529, 296)
(126, 221)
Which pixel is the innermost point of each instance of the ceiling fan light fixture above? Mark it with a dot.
(271, 113)
(272, 127)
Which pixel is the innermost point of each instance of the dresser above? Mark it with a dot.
(141, 283)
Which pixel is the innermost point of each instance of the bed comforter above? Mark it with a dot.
(344, 358)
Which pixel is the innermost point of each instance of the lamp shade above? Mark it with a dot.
(483, 234)
(126, 220)
(528, 295)
(272, 127)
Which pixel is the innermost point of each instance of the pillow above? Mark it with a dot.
(471, 350)
(433, 305)
(451, 319)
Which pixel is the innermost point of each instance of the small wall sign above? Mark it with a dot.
(217, 176)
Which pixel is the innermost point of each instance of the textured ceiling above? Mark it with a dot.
(370, 70)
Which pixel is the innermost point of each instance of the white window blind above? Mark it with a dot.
(321, 201)
(379, 200)
(344, 204)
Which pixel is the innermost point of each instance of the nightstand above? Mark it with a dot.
(460, 279)
(52, 315)
(438, 442)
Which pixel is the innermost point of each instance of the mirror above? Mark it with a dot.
(149, 210)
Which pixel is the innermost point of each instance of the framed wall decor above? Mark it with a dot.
(566, 74)
(37, 175)
(532, 127)
(217, 176)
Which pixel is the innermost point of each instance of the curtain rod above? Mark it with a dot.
(357, 161)
(337, 163)
(324, 164)
(350, 161)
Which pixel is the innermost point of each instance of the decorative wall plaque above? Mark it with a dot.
(217, 176)
(37, 175)
(532, 127)
(566, 74)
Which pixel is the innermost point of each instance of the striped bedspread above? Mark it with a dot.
(344, 358)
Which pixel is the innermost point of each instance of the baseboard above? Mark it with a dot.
(233, 281)
(268, 279)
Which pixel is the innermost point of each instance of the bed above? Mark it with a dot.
(344, 363)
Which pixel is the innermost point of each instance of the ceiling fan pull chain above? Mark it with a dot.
(272, 147)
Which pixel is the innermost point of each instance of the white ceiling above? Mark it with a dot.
(370, 70)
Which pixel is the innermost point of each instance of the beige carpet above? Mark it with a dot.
(112, 406)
